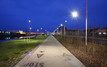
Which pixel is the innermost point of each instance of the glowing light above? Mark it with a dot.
(30, 28)
(30, 54)
(7, 38)
(74, 14)
(29, 21)
(99, 33)
(37, 30)
(61, 24)
(104, 33)
(41, 28)
(21, 32)
(2, 32)
(65, 21)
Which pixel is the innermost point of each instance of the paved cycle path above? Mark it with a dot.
(50, 53)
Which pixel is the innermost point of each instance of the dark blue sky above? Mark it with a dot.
(49, 14)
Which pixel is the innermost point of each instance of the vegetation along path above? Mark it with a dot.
(13, 51)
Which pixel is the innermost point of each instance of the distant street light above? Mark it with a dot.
(29, 27)
(61, 25)
(41, 28)
(64, 27)
(29, 21)
(66, 21)
(37, 30)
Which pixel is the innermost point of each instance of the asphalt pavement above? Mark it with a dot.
(50, 53)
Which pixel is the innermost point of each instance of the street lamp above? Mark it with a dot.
(75, 15)
(29, 27)
(64, 27)
(66, 21)
(86, 24)
(41, 28)
(37, 30)
(61, 26)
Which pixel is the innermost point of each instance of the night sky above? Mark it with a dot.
(49, 14)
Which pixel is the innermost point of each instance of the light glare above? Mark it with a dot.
(30, 28)
(29, 21)
(41, 28)
(74, 14)
(65, 21)
(61, 24)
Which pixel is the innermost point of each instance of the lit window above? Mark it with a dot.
(2, 31)
(6, 32)
(99, 33)
(104, 33)
(7, 38)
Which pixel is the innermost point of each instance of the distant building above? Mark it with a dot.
(99, 32)
(102, 32)
(11, 33)
(64, 31)
(5, 32)
(21, 32)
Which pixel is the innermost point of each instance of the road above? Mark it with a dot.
(50, 53)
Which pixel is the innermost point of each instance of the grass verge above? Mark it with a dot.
(13, 51)
(92, 55)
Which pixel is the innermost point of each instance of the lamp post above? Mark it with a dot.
(61, 27)
(41, 28)
(75, 14)
(66, 21)
(29, 28)
(64, 27)
(86, 25)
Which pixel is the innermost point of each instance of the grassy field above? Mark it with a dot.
(92, 55)
(12, 51)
